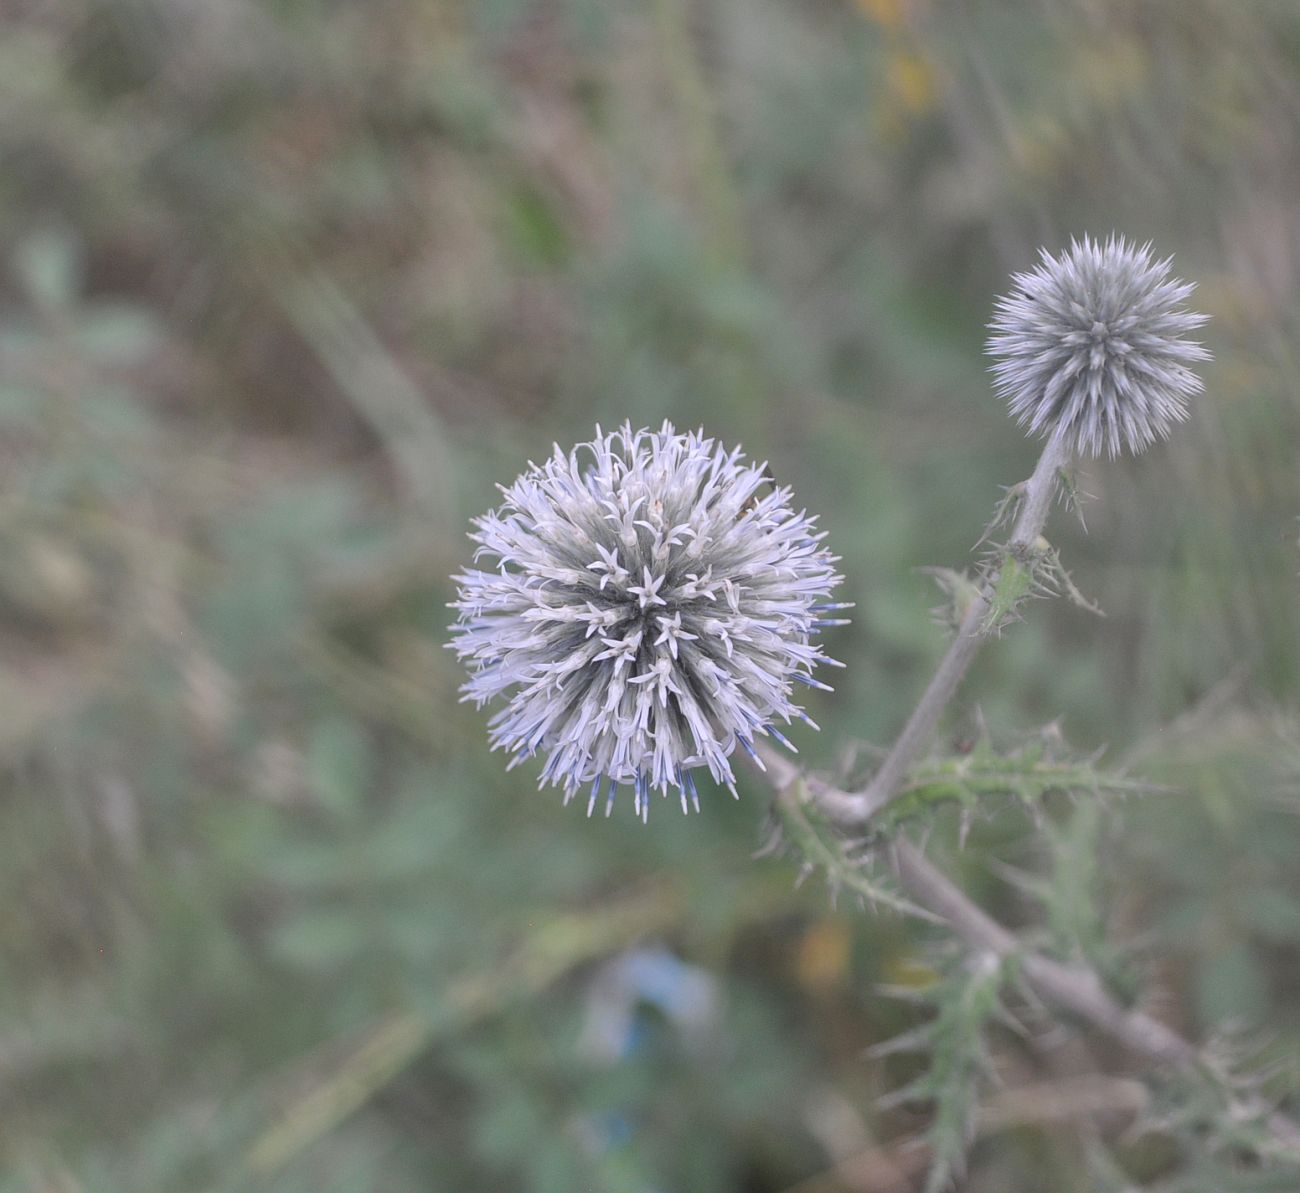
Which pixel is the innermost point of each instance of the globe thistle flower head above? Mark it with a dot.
(1090, 344)
(649, 607)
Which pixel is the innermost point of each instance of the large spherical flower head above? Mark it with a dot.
(652, 603)
(1090, 344)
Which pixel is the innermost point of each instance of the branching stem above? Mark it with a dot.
(850, 808)
(1075, 989)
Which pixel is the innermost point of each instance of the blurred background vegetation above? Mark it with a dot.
(288, 286)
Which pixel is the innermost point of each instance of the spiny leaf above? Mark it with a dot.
(1014, 583)
(801, 828)
(1073, 495)
(1006, 508)
(960, 1066)
(960, 592)
(1055, 578)
(1217, 1110)
(1028, 773)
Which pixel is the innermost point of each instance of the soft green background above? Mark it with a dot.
(288, 287)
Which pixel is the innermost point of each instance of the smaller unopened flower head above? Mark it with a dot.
(1091, 345)
(651, 603)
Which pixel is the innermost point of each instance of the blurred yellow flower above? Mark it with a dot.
(910, 81)
(824, 954)
(889, 14)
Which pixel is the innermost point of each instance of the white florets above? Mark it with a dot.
(647, 610)
(1091, 344)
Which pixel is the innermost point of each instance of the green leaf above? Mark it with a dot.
(1232, 986)
(339, 766)
(959, 1063)
(49, 265)
(804, 830)
(319, 937)
(1274, 914)
(536, 230)
(116, 334)
(1012, 586)
(1028, 772)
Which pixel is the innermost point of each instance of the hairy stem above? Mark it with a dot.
(857, 807)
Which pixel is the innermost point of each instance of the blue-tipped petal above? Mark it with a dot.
(785, 741)
(749, 749)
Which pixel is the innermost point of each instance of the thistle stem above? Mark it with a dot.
(857, 807)
(1075, 989)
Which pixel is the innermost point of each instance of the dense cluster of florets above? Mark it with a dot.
(652, 604)
(1090, 345)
